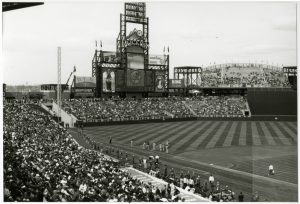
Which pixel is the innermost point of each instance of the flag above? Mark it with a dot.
(164, 48)
(74, 69)
(101, 43)
(96, 43)
(168, 49)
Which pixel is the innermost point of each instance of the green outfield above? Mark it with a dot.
(243, 145)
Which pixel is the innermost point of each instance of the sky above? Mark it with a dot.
(198, 33)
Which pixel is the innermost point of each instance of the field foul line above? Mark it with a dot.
(239, 172)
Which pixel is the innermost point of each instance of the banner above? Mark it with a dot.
(85, 82)
(135, 61)
(110, 56)
(176, 83)
(158, 59)
(108, 81)
(135, 77)
(120, 80)
(149, 78)
(159, 81)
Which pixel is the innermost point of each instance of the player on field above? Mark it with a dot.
(131, 143)
(271, 170)
(144, 145)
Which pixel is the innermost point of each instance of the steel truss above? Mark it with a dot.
(134, 12)
(191, 75)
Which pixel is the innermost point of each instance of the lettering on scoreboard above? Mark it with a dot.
(135, 12)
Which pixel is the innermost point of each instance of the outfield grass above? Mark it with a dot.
(246, 146)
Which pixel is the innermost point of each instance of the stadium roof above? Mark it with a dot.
(8, 6)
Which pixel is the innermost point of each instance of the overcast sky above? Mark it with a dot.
(198, 33)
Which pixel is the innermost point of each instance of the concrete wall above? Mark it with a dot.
(65, 117)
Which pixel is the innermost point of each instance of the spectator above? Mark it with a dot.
(241, 197)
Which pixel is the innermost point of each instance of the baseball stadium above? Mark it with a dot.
(131, 132)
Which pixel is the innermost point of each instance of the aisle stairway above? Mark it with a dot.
(192, 111)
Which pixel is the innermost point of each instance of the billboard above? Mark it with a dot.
(120, 80)
(85, 82)
(135, 61)
(149, 78)
(158, 59)
(159, 81)
(135, 77)
(135, 12)
(108, 81)
(110, 57)
(176, 83)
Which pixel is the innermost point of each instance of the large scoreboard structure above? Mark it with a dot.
(131, 70)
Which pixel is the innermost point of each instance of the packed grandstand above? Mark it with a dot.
(250, 75)
(116, 109)
(42, 162)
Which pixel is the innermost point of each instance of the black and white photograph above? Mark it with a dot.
(154, 101)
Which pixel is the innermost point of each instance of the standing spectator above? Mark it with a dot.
(241, 197)
(157, 159)
(145, 163)
(166, 171)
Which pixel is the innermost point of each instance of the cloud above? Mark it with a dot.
(266, 49)
(285, 26)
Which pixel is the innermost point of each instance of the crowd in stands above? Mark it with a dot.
(155, 108)
(211, 77)
(243, 76)
(42, 162)
(117, 109)
(276, 78)
(218, 106)
(190, 181)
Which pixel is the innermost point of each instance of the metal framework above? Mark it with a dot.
(59, 81)
(134, 13)
(191, 75)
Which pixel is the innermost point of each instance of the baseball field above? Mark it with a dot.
(238, 153)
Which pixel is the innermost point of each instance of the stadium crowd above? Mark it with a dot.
(190, 181)
(42, 162)
(218, 106)
(238, 77)
(155, 108)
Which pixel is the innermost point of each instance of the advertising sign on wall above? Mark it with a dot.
(158, 59)
(85, 82)
(135, 61)
(135, 77)
(108, 81)
(120, 80)
(176, 83)
(159, 81)
(110, 57)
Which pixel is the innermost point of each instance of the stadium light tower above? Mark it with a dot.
(58, 82)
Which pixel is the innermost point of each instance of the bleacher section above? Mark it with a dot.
(249, 75)
(100, 110)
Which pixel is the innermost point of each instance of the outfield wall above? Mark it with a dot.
(272, 101)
